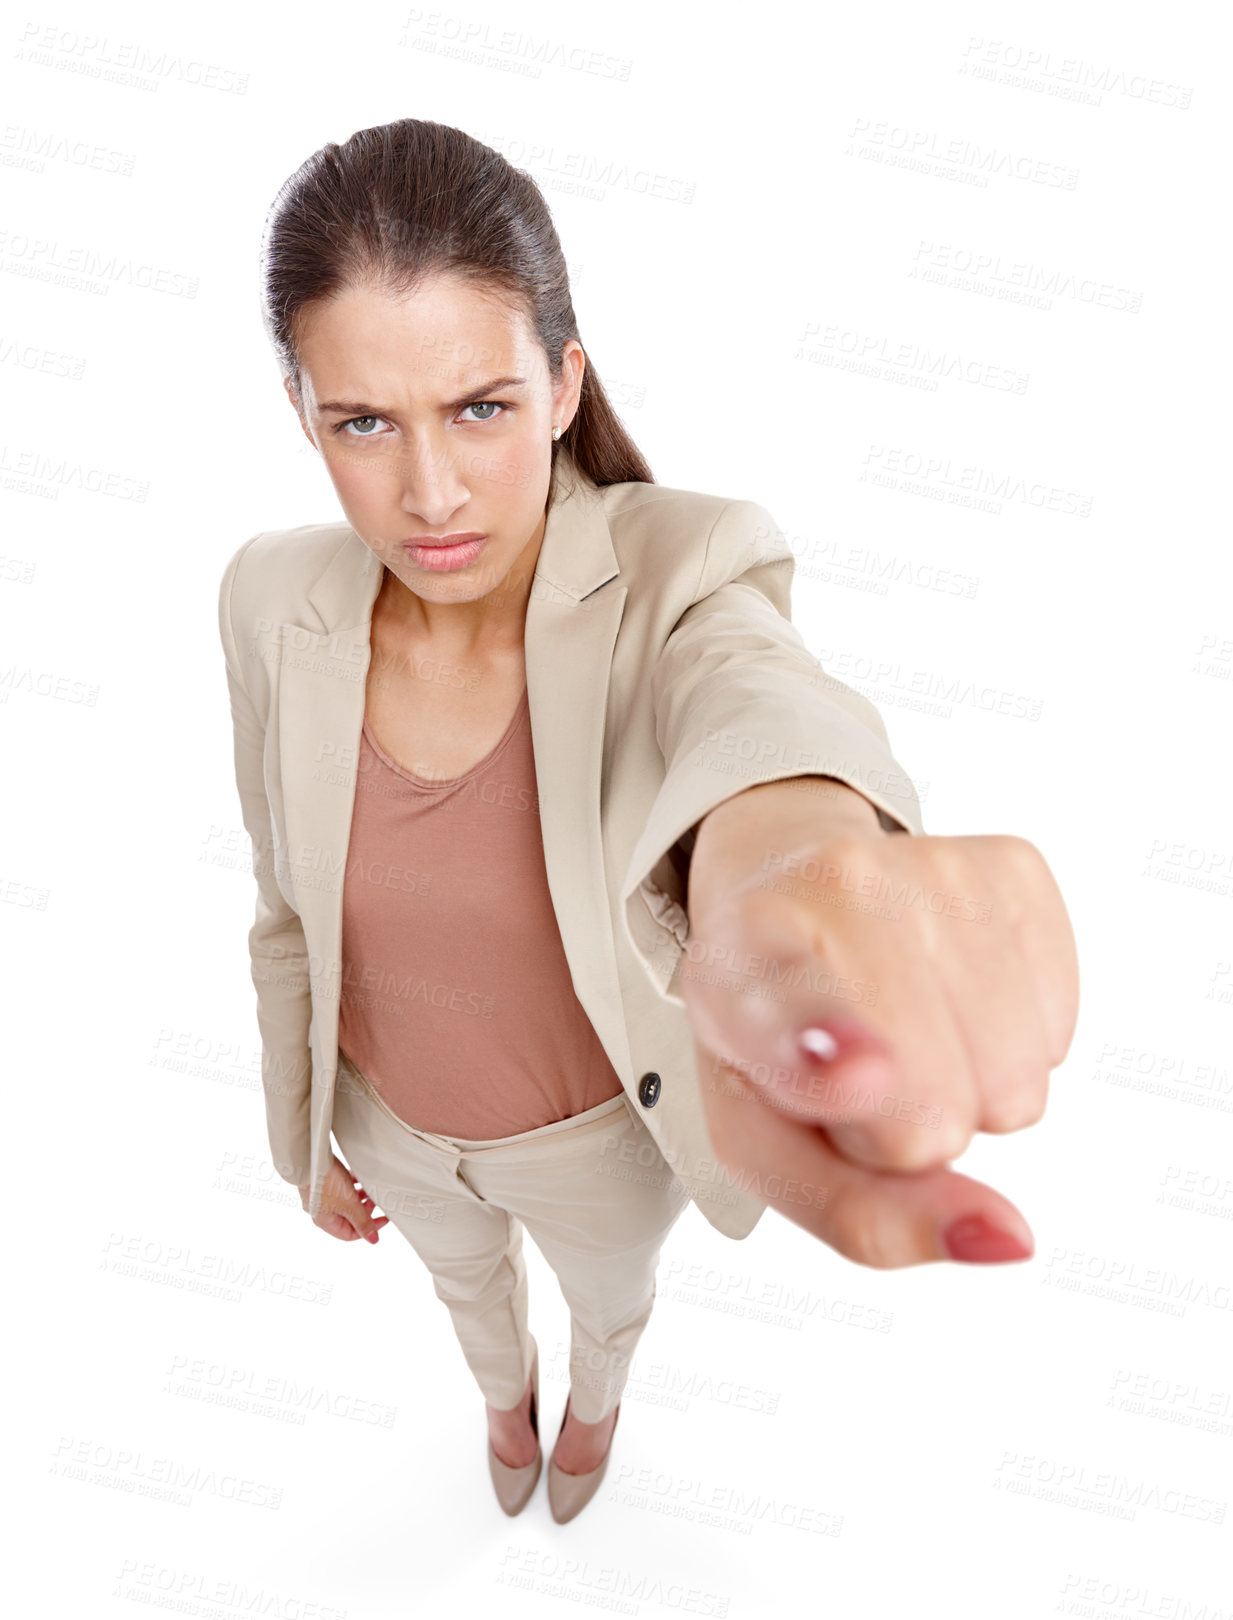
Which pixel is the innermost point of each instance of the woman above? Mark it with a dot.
(538, 774)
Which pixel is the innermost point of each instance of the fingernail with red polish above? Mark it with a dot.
(818, 1042)
(975, 1238)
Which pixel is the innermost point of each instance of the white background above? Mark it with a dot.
(763, 193)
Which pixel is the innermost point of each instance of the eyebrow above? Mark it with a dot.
(346, 407)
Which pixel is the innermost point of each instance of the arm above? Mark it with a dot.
(277, 947)
(846, 1053)
(741, 703)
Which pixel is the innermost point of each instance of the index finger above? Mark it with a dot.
(884, 1219)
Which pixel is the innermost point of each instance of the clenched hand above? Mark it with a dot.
(345, 1206)
(939, 979)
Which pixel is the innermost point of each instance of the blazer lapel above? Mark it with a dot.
(571, 629)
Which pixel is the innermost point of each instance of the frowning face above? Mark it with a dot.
(434, 415)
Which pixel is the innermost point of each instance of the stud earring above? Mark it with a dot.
(556, 433)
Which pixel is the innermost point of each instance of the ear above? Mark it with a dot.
(296, 406)
(569, 388)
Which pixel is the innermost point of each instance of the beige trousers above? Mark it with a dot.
(594, 1192)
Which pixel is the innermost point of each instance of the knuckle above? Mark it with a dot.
(1016, 1112)
(910, 1153)
(910, 1148)
(865, 1230)
(952, 1137)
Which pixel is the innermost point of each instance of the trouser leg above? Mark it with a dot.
(598, 1203)
(471, 1247)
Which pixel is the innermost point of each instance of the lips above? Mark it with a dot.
(443, 553)
(434, 540)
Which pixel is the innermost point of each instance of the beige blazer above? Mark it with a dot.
(664, 675)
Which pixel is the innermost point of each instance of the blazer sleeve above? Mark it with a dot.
(278, 950)
(739, 700)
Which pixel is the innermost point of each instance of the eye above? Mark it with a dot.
(344, 425)
(486, 405)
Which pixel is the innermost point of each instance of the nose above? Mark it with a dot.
(433, 486)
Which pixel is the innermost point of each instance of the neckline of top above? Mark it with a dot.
(443, 784)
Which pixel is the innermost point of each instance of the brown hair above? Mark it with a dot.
(399, 202)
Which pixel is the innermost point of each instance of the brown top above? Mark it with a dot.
(457, 1002)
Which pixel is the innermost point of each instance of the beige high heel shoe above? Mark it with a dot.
(568, 1494)
(515, 1485)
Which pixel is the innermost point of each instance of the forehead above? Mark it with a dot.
(447, 332)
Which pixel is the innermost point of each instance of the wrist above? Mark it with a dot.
(749, 834)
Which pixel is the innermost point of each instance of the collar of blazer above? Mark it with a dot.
(571, 629)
